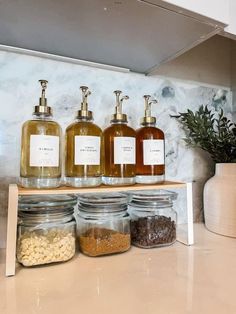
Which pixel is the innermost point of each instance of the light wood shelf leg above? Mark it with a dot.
(189, 187)
(11, 230)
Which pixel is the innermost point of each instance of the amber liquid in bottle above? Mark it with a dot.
(119, 148)
(39, 176)
(150, 152)
(40, 147)
(79, 175)
(151, 170)
(83, 164)
(117, 173)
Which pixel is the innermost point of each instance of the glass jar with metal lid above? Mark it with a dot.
(46, 229)
(103, 224)
(153, 220)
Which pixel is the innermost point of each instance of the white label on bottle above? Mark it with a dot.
(44, 151)
(153, 152)
(87, 150)
(124, 150)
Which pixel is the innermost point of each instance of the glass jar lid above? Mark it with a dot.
(44, 216)
(38, 209)
(46, 202)
(153, 198)
(103, 202)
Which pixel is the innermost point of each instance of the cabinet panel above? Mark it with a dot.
(131, 34)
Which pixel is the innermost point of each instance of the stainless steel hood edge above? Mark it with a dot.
(177, 29)
(219, 27)
(39, 54)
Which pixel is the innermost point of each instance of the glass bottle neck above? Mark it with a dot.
(77, 119)
(119, 122)
(43, 117)
(148, 125)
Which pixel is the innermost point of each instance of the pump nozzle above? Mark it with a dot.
(43, 99)
(148, 118)
(85, 93)
(84, 112)
(42, 108)
(119, 116)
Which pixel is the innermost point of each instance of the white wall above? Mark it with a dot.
(233, 77)
(215, 9)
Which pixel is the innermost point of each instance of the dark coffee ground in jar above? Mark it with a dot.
(153, 231)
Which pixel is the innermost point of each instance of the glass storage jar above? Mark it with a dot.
(46, 229)
(153, 220)
(103, 224)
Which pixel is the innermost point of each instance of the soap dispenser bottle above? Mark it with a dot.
(83, 148)
(150, 154)
(40, 147)
(119, 148)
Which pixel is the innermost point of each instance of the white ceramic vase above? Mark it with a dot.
(220, 200)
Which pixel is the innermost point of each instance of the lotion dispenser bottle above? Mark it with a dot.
(40, 165)
(83, 164)
(119, 148)
(150, 154)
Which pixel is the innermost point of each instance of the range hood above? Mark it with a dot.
(136, 35)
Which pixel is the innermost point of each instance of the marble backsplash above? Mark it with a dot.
(19, 92)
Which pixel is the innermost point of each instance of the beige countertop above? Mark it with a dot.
(199, 279)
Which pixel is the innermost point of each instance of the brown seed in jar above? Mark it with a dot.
(102, 241)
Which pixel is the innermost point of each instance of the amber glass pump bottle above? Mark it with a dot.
(83, 148)
(40, 148)
(150, 154)
(119, 148)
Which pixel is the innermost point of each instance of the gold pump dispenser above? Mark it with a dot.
(150, 148)
(119, 148)
(119, 116)
(84, 113)
(42, 107)
(148, 119)
(83, 157)
(40, 165)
